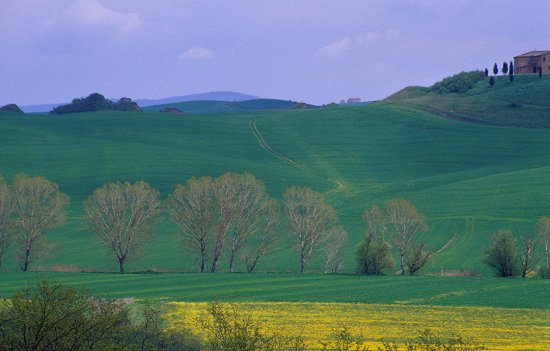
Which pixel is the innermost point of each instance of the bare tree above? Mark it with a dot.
(309, 218)
(404, 223)
(250, 197)
(267, 235)
(191, 207)
(5, 214)
(416, 258)
(38, 206)
(121, 214)
(225, 192)
(526, 250)
(377, 223)
(336, 243)
(543, 230)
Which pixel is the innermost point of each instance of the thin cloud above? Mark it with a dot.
(345, 45)
(371, 37)
(337, 48)
(197, 53)
(91, 14)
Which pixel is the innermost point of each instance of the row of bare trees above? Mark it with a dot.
(233, 215)
(230, 215)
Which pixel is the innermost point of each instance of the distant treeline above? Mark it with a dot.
(96, 102)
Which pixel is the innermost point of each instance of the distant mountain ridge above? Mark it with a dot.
(212, 96)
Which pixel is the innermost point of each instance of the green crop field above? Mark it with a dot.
(468, 179)
(215, 107)
(268, 287)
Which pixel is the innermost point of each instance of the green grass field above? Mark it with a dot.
(196, 287)
(216, 107)
(468, 179)
(522, 103)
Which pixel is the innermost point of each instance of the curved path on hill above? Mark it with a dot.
(264, 145)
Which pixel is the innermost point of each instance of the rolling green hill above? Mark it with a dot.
(216, 107)
(522, 103)
(468, 179)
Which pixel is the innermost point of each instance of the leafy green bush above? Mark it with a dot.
(459, 83)
(502, 254)
(373, 255)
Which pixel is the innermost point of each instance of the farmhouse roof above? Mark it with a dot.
(534, 53)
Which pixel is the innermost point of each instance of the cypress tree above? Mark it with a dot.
(486, 72)
(505, 67)
(492, 81)
(495, 69)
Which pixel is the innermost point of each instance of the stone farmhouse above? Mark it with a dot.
(531, 61)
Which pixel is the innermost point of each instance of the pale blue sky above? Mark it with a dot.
(313, 51)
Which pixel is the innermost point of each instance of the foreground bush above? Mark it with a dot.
(53, 317)
(228, 328)
(430, 341)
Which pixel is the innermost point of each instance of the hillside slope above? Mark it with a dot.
(205, 107)
(468, 179)
(525, 102)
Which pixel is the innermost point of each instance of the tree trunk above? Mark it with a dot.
(214, 263)
(203, 257)
(250, 267)
(121, 265)
(231, 260)
(402, 256)
(27, 256)
(302, 263)
(547, 256)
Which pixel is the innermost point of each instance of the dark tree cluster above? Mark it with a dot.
(459, 83)
(11, 108)
(96, 102)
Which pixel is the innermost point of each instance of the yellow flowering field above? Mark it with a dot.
(496, 328)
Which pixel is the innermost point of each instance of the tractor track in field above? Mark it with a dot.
(264, 145)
